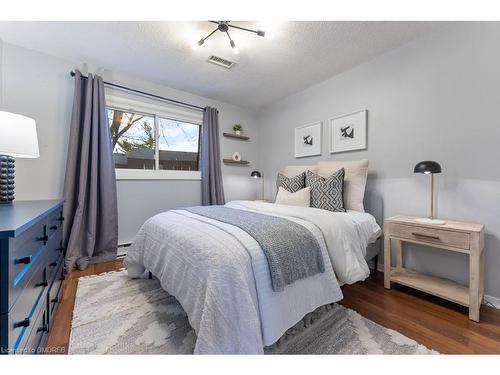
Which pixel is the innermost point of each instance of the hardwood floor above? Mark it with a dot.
(433, 322)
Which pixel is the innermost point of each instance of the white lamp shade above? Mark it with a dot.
(18, 136)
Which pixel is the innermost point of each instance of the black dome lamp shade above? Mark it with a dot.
(257, 174)
(429, 167)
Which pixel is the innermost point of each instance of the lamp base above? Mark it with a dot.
(425, 220)
(7, 166)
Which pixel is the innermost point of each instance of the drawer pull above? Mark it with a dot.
(61, 219)
(54, 300)
(43, 239)
(53, 227)
(42, 283)
(43, 328)
(425, 235)
(53, 264)
(61, 249)
(23, 260)
(22, 323)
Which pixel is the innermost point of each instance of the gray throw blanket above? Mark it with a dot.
(291, 250)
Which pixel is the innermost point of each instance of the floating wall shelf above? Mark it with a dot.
(235, 136)
(231, 161)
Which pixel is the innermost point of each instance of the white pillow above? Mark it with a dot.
(299, 198)
(356, 173)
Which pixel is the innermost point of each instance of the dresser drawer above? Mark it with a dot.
(28, 251)
(38, 334)
(44, 256)
(29, 240)
(54, 223)
(24, 311)
(54, 294)
(54, 254)
(431, 236)
(39, 278)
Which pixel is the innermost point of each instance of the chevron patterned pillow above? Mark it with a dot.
(327, 193)
(292, 184)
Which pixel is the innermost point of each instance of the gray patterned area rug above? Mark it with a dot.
(114, 314)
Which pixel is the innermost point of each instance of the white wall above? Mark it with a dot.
(1, 68)
(436, 98)
(39, 86)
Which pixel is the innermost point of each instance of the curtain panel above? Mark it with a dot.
(90, 208)
(212, 191)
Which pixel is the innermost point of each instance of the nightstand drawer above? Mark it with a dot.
(431, 236)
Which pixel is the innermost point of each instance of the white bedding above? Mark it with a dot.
(220, 275)
(346, 235)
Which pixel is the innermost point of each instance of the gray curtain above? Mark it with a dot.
(212, 191)
(90, 208)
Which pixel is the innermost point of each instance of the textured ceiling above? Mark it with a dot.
(298, 55)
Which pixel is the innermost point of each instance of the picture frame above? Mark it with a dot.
(308, 139)
(349, 132)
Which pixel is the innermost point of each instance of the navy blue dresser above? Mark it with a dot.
(31, 265)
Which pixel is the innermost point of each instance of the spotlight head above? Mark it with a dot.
(198, 44)
(261, 33)
(233, 46)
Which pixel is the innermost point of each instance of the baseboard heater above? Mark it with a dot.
(127, 244)
(122, 249)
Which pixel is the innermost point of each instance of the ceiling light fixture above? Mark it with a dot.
(223, 26)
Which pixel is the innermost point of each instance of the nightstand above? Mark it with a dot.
(466, 238)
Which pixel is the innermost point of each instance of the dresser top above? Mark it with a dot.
(450, 225)
(18, 216)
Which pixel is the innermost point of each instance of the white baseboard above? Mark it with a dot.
(491, 301)
(487, 300)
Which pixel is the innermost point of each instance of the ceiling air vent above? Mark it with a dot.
(220, 61)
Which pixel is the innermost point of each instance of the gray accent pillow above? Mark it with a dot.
(327, 193)
(291, 184)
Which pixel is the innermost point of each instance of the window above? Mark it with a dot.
(132, 139)
(178, 144)
(153, 142)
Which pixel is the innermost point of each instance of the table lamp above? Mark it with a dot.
(18, 139)
(429, 167)
(257, 174)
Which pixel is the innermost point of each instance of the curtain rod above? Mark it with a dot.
(178, 102)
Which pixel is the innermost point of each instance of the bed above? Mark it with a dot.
(223, 278)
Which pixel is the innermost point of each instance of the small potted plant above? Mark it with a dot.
(237, 128)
